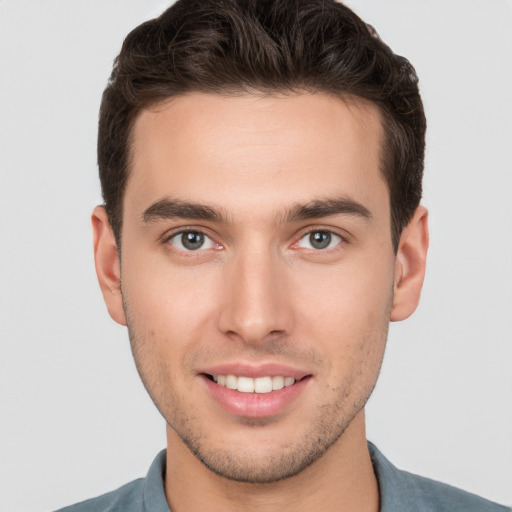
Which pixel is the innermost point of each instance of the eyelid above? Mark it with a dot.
(176, 232)
(339, 233)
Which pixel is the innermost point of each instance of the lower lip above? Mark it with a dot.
(255, 405)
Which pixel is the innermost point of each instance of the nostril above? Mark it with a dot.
(277, 333)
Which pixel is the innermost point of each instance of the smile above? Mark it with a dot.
(257, 385)
(268, 392)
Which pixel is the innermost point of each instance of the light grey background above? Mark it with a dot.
(74, 419)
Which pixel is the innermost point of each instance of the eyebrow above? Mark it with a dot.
(327, 207)
(176, 209)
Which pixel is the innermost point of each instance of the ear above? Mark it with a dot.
(108, 269)
(410, 266)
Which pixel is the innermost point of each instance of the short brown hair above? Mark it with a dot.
(236, 46)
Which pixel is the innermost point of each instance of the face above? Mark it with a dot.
(257, 274)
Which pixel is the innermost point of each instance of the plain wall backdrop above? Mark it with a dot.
(74, 419)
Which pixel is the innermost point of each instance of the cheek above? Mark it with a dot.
(347, 311)
(345, 294)
(167, 305)
(168, 313)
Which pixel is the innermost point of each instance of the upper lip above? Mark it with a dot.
(255, 371)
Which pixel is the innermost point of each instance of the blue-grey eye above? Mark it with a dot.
(191, 241)
(319, 240)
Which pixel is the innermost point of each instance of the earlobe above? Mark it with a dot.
(106, 259)
(410, 266)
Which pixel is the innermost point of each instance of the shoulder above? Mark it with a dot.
(440, 497)
(403, 492)
(127, 498)
(143, 494)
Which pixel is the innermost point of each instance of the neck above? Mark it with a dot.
(342, 480)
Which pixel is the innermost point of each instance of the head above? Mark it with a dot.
(261, 166)
(265, 47)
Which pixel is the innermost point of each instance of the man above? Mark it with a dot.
(261, 167)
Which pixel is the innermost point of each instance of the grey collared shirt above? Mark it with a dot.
(399, 492)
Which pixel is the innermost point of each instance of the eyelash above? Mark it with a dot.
(341, 240)
(331, 236)
(183, 250)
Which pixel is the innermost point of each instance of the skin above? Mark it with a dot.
(259, 292)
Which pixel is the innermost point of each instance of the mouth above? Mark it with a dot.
(261, 392)
(262, 385)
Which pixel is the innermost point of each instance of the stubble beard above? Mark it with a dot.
(240, 463)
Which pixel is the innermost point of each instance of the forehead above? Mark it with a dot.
(237, 149)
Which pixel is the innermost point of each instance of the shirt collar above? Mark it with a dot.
(154, 499)
(394, 485)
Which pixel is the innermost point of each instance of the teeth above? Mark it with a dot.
(263, 385)
(289, 381)
(231, 382)
(244, 384)
(249, 385)
(277, 383)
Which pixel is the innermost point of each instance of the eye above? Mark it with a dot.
(191, 241)
(319, 240)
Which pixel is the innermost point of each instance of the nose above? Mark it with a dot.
(256, 309)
